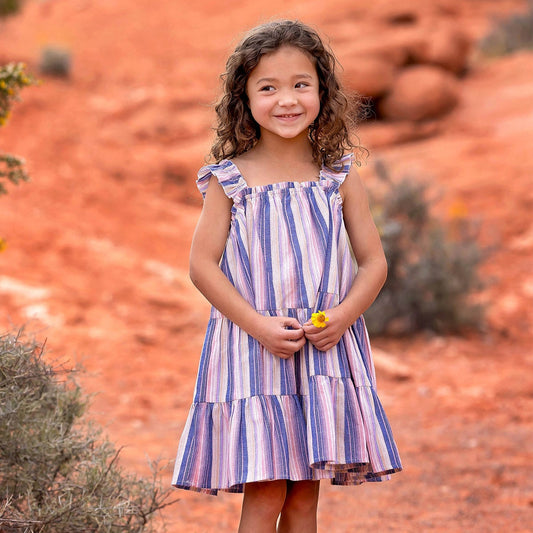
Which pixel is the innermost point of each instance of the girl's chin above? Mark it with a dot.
(286, 133)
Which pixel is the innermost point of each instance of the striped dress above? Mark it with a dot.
(255, 416)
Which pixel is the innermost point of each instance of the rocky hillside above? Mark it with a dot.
(98, 242)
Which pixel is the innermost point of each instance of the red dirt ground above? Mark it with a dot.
(98, 245)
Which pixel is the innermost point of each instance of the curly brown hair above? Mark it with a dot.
(237, 131)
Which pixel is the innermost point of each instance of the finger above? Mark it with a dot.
(320, 348)
(293, 347)
(299, 344)
(314, 333)
(290, 322)
(295, 334)
(318, 340)
(312, 327)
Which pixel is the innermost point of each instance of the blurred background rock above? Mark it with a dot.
(97, 243)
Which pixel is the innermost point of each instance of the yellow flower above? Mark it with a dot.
(319, 319)
(3, 244)
(458, 210)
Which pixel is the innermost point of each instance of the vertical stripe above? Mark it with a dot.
(313, 416)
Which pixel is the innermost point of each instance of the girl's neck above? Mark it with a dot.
(273, 160)
(284, 150)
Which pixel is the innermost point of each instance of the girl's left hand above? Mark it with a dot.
(325, 338)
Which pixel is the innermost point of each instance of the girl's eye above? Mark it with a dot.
(267, 88)
(301, 84)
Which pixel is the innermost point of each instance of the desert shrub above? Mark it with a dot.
(55, 61)
(58, 474)
(13, 77)
(9, 7)
(12, 169)
(433, 269)
(509, 34)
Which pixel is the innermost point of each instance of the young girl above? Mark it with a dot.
(286, 393)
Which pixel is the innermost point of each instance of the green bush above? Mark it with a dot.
(13, 77)
(510, 34)
(9, 7)
(12, 169)
(55, 61)
(433, 270)
(58, 474)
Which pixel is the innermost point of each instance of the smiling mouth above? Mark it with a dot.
(289, 115)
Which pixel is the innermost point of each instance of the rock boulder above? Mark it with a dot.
(444, 46)
(420, 92)
(370, 76)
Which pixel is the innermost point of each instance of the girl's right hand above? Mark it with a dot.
(282, 336)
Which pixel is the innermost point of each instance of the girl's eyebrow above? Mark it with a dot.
(270, 80)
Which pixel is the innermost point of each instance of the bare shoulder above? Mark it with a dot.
(352, 189)
(215, 197)
(362, 231)
(213, 224)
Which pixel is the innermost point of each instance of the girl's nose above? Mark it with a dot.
(287, 99)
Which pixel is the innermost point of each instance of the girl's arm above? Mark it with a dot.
(372, 266)
(207, 247)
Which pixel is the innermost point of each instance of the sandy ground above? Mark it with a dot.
(98, 242)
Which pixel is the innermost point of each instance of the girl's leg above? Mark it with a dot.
(261, 506)
(299, 511)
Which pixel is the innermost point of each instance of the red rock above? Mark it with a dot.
(399, 14)
(420, 92)
(396, 45)
(370, 76)
(444, 46)
(379, 134)
(392, 46)
(101, 229)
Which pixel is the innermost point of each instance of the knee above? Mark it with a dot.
(266, 497)
(302, 497)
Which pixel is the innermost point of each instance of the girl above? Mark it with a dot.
(286, 393)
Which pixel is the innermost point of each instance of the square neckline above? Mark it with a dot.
(277, 184)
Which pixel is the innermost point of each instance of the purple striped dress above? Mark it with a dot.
(255, 416)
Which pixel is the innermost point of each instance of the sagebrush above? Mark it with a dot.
(9, 7)
(56, 61)
(509, 35)
(13, 77)
(433, 268)
(58, 473)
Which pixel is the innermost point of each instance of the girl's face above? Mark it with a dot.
(283, 93)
